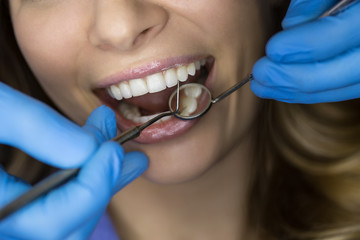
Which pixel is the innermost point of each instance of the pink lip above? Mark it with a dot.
(161, 131)
(147, 69)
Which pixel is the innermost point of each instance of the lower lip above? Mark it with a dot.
(159, 131)
(162, 131)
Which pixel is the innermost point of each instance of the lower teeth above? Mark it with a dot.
(188, 106)
(132, 113)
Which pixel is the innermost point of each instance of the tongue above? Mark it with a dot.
(152, 103)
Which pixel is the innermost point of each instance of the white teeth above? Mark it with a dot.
(125, 90)
(144, 119)
(110, 92)
(170, 78)
(138, 87)
(116, 92)
(155, 82)
(193, 91)
(129, 111)
(197, 65)
(191, 69)
(189, 105)
(182, 73)
(132, 112)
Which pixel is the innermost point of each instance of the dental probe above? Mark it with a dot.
(62, 176)
(339, 7)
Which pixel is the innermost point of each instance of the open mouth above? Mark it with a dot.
(136, 101)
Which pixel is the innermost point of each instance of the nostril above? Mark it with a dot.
(145, 31)
(143, 36)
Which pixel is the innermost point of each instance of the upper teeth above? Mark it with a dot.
(155, 82)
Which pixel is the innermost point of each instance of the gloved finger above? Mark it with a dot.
(85, 231)
(333, 74)
(41, 132)
(317, 41)
(291, 96)
(10, 187)
(302, 11)
(134, 164)
(102, 124)
(71, 205)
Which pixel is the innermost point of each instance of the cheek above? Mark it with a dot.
(225, 21)
(217, 20)
(49, 44)
(41, 50)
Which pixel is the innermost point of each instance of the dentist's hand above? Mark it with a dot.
(72, 210)
(312, 60)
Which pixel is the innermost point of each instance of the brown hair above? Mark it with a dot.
(307, 173)
(15, 72)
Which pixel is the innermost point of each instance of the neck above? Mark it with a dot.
(214, 206)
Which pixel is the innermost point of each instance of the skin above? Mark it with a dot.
(72, 45)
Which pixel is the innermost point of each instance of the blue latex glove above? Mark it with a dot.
(312, 60)
(72, 210)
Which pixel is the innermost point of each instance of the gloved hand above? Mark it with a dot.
(72, 210)
(312, 60)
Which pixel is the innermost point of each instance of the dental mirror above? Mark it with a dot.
(193, 100)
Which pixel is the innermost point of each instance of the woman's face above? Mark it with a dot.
(83, 51)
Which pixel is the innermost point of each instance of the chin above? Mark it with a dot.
(186, 157)
(177, 170)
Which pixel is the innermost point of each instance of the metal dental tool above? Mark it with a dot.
(196, 99)
(176, 109)
(339, 7)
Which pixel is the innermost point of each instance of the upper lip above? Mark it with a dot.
(147, 69)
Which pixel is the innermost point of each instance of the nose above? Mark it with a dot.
(125, 24)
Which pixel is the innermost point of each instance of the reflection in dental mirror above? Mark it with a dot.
(193, 100)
